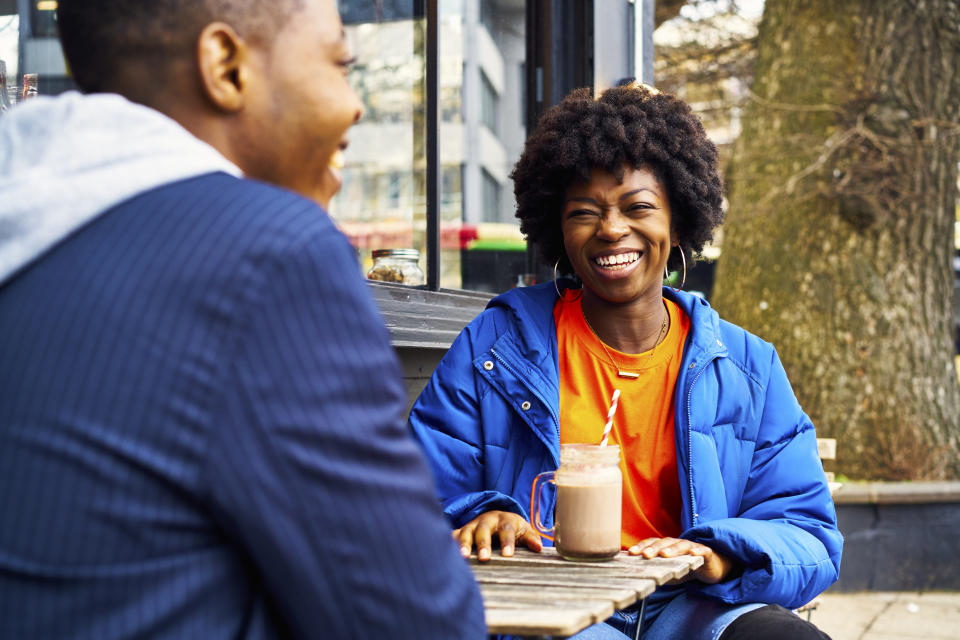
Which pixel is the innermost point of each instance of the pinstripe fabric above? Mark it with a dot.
(201, 435)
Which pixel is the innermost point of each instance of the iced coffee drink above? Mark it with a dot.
(587, 520)
(588, 502)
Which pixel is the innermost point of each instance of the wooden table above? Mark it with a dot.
(541, 594)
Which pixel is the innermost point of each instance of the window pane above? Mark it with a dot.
(382, 204)
(482, 55)
(491, 197)
(43, 19)
(9, 40)
(490, 104)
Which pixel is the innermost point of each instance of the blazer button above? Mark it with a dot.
(488, 365)
(525, 406)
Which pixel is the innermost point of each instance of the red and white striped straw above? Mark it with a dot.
(613, 409)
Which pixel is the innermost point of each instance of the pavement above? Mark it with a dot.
(889, 615)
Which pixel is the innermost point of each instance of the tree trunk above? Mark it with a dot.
(839, 238)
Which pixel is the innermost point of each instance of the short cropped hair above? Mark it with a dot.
(630, 126)
(100, 35)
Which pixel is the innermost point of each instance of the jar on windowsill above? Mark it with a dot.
(396, 265)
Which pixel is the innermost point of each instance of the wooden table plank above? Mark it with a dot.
(599, 610)
(619, 596)
(641, 587)
(661, 570)
(538, 622)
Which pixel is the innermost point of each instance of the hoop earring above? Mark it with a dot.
(683, 259)
(666, 270)
(557, 287)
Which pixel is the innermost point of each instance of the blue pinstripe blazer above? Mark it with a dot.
(202, 435)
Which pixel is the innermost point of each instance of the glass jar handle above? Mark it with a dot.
(548, 477)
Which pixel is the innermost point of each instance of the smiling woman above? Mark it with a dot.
(719, 459)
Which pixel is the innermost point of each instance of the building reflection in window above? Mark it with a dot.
(383, 200)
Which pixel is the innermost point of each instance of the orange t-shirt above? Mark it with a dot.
(644, 422)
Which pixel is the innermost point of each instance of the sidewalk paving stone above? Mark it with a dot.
(889, 615)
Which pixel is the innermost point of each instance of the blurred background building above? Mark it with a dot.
(482, 127)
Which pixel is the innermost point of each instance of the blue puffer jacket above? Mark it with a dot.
(752, 484)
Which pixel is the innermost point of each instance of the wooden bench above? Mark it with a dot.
(827, 450)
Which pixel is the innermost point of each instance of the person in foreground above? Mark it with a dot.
(202, 421)
(718, 458)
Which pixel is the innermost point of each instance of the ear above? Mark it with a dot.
(223, 59)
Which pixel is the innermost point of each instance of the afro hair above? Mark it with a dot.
(627, 126)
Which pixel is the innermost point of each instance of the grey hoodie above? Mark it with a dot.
(66, 160)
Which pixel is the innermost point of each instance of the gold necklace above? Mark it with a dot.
(630, 375)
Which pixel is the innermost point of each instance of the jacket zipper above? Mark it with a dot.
(693, 510)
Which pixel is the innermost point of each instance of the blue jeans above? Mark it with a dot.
(757, 624)
(688, 617)
(620, 626)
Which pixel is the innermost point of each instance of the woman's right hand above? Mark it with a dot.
(507, 526)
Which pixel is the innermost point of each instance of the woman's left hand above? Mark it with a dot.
(715, 567)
